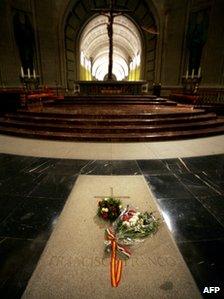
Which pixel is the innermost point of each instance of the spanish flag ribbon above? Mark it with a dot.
(115, 263)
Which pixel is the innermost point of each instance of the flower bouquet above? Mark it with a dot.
(129, 228)
(109, 208)
(132, 226)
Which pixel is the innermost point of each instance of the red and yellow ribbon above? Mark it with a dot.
(115, 266)
(115, 263)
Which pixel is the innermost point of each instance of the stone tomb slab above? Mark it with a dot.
(74, 265)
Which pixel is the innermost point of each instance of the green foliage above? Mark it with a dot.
(144, 226)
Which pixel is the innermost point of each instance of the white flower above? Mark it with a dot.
(126, 223)
(141, 221)
(105, 209)
(133, 219)
(120, 206)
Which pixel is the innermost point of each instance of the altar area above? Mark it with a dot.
(111, 87)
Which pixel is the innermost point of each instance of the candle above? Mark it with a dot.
(187, 74)
(192, 74)
(28, 73)
(22, 72)
(199, 72)
(34, 73)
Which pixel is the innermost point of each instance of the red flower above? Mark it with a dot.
(113, 209)
(105, 215)
(128, 215)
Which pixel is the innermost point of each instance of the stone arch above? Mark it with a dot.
(79, 12)
(94, 48)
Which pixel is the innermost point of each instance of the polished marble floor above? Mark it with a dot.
(33, 191)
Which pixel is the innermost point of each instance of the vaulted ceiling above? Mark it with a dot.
(94, 44)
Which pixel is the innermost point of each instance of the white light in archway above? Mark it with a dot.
(102, 71)
(120, 67)
(82, 59)
(127, 47)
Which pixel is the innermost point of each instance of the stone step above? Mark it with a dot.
(109, 121)
(113, 137)
(218, 109)
(113, 96)
(115, 122)
(112, 102)
(110, 127)
(100, 115)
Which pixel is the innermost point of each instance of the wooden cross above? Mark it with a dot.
(112, 195)
(111, 13)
